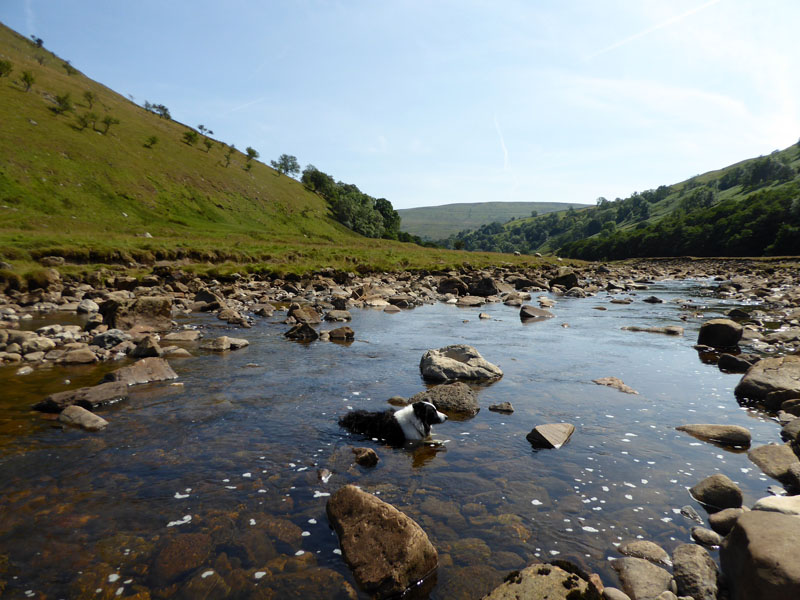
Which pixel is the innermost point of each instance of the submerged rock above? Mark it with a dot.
(456, 362)
(86, 397)
(386, 550)
(366, 457)
(615, 383)
(542, 581)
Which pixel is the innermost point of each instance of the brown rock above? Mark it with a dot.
(695, 572)
(78, 356)
(759, 557)
(152, 313)
(729, 435)
(771, 375)
(723, 521)
(640, 578)
(180, 555)
(386, 550)
(302, 332)
(615, 383)
(86, 397)
(717, 492)
(304, 314)
(528, 313)
(720, 333)
(502, 407)
(541, 581)
(80, 417)
(366, 457)
(454, 398)
(147, 347)
(647, 550)
(342, 333)
(553, 435)
(143, 371)
(774, 459)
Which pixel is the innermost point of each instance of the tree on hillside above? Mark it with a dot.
(251, 153)
(69, 68)
(286, 164)
(228, 153)
(27, 79)
(86, 119)
(37, 41)
(202, 128)
(159, 109)
(190, 137)
(108, 121)
(151, 141)
(89, 97)
(5, 68)
(208, 144)
(63, 104)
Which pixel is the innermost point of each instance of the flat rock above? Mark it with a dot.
(78, 356)
(471, 301)
(541, 581)
(615, 383)
(770, 375)
(78, 416)
(788, 505)
(647, 550)
(386, 550)
(729, 435)
(457, 362)
(502, 407)
(640, 578)
(706, 537)
(342, 333)
(450, 398)
(717, 492)
(338, 315)
(759, 557)
(695, 572)
(151, 313)
(224, 343)
(720, 333)
(551, 435)
(180, 555)
(86, 397)
(528, 312)
(667, 330)
(774, 459)
(143, 371)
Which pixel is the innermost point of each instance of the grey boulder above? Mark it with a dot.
(457, 362)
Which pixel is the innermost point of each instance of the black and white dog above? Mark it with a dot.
(410, 423)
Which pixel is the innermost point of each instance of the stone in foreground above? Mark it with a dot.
(456, 362)
(640, 578)
(695, 572)
(541, 581)
(386, 550)
(774, 460)
(759, 557)
(552, 435)
(143, 371)
(729, 435)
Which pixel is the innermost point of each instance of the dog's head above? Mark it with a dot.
(428, 415)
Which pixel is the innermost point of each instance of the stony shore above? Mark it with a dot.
(129, 318)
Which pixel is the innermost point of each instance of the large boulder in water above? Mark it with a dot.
(779, 374)
(720, 333)
(759, 557)
(455, 362)
(150, 313)
(565, 277)
(450, 398)
(386, 550)
(717, 492)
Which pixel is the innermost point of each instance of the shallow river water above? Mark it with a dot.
(236, 451)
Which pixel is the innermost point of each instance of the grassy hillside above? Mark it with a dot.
(440, 222)
(747, 209)
(97, 194)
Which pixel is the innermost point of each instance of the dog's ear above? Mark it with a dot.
(420, 410)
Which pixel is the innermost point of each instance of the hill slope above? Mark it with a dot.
(750, 208)
(440, 222)
(137, 190)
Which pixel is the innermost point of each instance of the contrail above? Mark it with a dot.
(506, 165)
(667, 23)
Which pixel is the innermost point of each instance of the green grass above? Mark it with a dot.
(97, 198)
(440, 222)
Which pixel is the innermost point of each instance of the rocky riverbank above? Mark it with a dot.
(136, 319)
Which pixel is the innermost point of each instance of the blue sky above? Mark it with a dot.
(435, 101)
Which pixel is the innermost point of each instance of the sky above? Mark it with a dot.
(429, 102)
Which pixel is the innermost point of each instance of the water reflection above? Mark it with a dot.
(245, 439)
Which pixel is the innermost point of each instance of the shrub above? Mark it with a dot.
(5, 68)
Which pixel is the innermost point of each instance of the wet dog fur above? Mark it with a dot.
(410, 423)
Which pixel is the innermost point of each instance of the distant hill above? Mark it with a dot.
(440, 222)
(751, 208)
